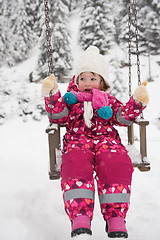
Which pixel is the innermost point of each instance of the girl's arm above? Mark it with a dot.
(55, 106)
(124, 115)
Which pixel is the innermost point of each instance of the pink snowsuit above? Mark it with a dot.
(95, 151)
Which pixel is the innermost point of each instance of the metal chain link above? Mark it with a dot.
(129, 50)
(49, 45)
(48, 37)
(137, 40)
(132, 12)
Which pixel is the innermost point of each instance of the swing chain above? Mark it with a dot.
(48, 37)
(137, 40)
(129, 49)
(132, 11)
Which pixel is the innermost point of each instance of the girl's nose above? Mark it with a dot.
(87, 83)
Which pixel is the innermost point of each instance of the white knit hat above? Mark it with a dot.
(92, 61)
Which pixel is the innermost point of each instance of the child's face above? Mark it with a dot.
(88, 80)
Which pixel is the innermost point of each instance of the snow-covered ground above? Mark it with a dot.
(31, 204)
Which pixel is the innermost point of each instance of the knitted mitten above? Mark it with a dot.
(49, 85)
(141, 93)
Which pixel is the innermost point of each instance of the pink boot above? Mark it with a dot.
(81, 225)
(116, 228)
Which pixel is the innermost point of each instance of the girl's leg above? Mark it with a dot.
(114, 174)
(78, 188)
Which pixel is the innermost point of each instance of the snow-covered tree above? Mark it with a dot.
(96, 26)
(117, 70)
(121, 24)
(6, 37)
(42, 67)
(23, 36)
(60, 41)
(2, 43)
(17, 36)
(34, 10)
(72, 4)
(148, 26)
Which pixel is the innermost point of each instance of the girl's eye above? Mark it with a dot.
(81, 79)
(93, 79)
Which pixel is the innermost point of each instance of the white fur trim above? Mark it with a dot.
(88, 113)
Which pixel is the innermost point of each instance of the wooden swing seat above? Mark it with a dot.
(54, 140)
(53, 132)
(144, 165)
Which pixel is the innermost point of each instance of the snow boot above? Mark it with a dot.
(81, 231)
(81, 225)
(116, 228)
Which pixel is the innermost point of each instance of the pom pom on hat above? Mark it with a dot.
(92, 61)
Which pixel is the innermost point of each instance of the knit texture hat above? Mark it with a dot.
(92, 61)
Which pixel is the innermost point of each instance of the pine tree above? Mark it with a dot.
(149, 28)
(6, 36)
(121, 24)
(60, 41)
(61, 36)
(17, 36)
(72, 4)
(34, 10)
(23, 36)
(96, 25)
(117, 68)
(42, 68)
(2, 43)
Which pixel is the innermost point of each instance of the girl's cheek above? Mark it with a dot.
(97, 86)
(80, 88)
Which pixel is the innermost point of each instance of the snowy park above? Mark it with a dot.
(31, 204)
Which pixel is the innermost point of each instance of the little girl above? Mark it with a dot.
(92, 148)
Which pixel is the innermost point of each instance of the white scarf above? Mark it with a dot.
(88, 113)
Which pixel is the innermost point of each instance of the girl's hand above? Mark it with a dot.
(141, 93)
(49, 85)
